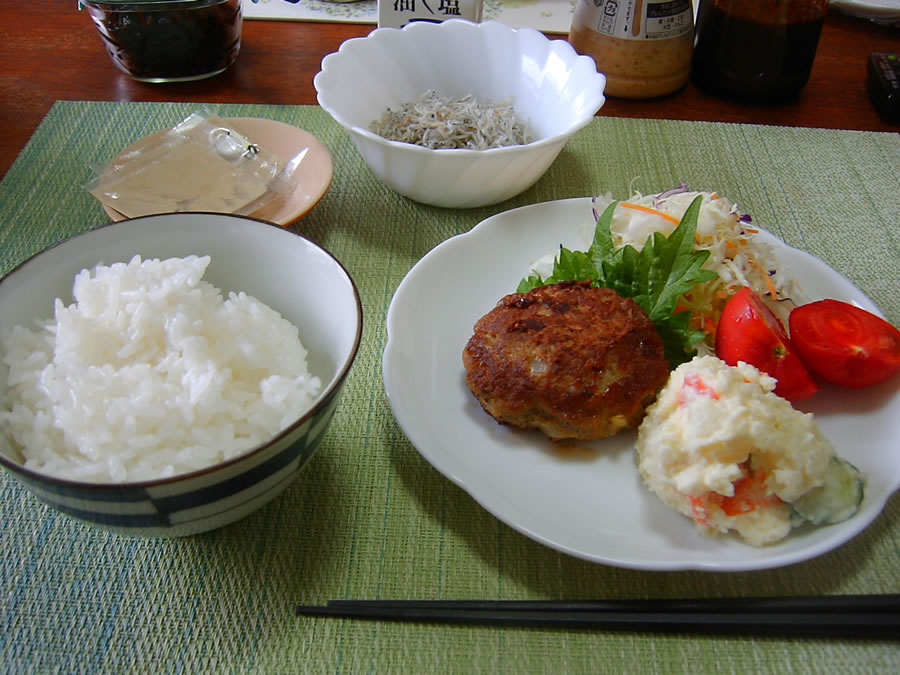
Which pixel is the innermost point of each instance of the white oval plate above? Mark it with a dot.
(587, 499)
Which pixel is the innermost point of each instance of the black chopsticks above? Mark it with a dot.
(851, 616)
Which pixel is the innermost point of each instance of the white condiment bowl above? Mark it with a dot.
(554, 91)
(287, 272)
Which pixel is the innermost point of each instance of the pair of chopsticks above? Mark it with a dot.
(853, 616)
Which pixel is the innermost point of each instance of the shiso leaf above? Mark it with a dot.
(654, 277)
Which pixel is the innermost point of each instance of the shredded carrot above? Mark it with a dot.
(751, 230)
(698, 386)
(638, 207)
(750, 493)
(772, 290)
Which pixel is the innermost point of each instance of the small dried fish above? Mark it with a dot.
(438, 123)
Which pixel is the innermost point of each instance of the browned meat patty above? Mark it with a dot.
(571, 360)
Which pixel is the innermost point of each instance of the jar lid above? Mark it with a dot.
(142, 4)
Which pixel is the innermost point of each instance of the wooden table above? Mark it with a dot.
(50, 51)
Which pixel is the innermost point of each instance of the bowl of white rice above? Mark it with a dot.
(459, 114)
(168, 375)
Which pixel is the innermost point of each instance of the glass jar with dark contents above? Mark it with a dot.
(169, 40)
(757, 50)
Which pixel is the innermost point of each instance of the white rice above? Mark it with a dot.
(149, 374)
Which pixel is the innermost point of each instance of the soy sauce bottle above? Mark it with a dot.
(757, 50)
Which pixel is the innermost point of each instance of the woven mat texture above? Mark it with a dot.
(368, 517)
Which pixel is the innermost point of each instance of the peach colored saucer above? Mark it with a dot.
(312, 175)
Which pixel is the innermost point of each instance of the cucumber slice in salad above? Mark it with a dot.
(837, 499)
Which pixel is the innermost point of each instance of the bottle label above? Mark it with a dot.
(637, 19)
(398, 13)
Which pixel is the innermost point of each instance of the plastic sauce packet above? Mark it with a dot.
(201, 164)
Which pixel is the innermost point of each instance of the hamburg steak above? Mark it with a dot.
(569, 359)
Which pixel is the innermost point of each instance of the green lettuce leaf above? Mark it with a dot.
(654, 277)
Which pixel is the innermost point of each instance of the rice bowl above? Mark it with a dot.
(286, 272)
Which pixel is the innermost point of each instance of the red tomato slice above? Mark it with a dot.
(749, 331)
(845, 344)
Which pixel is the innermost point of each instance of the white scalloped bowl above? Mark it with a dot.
(554, 90)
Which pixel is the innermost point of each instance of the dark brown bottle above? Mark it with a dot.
(759, 50)
(169, 41)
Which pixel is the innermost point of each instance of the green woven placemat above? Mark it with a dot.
(369, 517)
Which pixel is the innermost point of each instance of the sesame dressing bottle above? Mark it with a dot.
(643, 47)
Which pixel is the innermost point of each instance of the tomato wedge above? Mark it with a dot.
(749, 331)
(845, 344)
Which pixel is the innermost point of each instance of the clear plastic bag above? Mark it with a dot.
(201, 164)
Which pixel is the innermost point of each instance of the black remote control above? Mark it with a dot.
(884, 84)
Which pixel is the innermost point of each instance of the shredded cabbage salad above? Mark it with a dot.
(737, 254)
